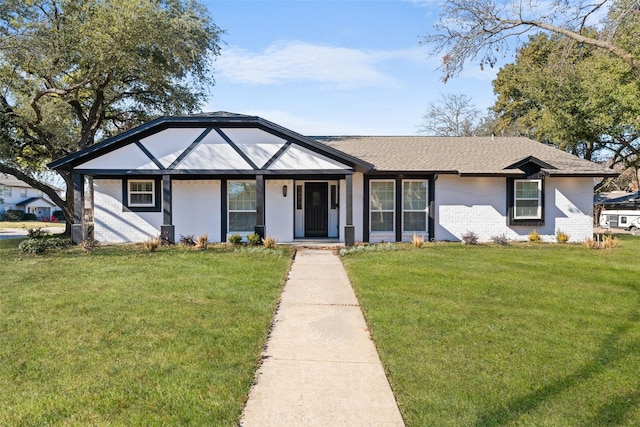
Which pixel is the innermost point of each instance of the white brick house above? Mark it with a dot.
(18, 195)
(225, 174)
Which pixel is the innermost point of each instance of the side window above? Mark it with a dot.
(414, 205)
(142, 194)
(242, 205)
(528, 199)
(381, 205)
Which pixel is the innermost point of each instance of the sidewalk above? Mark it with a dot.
(320, 368)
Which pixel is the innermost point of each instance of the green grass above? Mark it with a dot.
(31, 224)
(127, 337)
(527, 335)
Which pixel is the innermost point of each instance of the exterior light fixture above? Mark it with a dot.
(284, 191)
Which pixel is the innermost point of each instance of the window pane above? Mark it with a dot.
(415, 195)
(141, 186)
(141, 199)
(382, 196)
(415, 221)
(381, 221)
(527, 208)
(527, 190)
(242, 196)
(242, 221)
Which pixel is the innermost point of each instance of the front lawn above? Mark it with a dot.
(521, 335)
(32, 224)
(127, 337)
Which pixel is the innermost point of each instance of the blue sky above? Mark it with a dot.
(329, 67)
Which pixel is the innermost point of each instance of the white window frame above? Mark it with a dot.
(23, 192)
(538, 199)
(7, 192)
(229, 210)
(426, 208)
(372, 211)
(130, 192)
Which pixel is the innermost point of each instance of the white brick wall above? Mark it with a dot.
(196, 208)
(112, 225)
(358, 207)
(479, 205)
(279, 209)
(572, 202)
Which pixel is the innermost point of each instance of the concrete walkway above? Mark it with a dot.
(320, 367)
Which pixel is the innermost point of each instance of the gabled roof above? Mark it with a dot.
(463, 155)
(36, 201)
(480, 156)
(214, 121)
(12, 181)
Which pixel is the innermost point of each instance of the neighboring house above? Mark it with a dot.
(18, 195)
(224, 174)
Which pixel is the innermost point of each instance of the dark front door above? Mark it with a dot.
(316, 209)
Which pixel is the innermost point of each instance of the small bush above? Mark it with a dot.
(202, 242)
(59, 215)
(187, 240)
(534, 237)
(89, 245)
(609, 242)
(561, 237)
(470, 238)
(39, 246)
(500, 239)
(254, 239)
(236, 239)
(269, 242)
(417, 240)
(29, 217)
(37, 233)
(13, 215)
(601, 242)
(152, 245)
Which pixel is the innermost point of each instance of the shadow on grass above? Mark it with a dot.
(611, 413)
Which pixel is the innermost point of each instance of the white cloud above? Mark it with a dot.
(314, 125)
(303, 62)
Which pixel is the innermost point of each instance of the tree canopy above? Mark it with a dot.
(75, 71)
(482, 29)
(572, 96)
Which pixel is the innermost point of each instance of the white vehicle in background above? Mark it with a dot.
(625, 219)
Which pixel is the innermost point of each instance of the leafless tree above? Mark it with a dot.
(482, 29)
(451, 115)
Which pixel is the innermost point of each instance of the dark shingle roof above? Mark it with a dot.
(464, 156)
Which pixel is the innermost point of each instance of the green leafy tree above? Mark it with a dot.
(483, 29)
(76, 71)
(572, 96)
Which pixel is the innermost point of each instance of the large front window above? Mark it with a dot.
(414, 205)
(528, 199)
(242, 206)
(382, 201)
(141, 193)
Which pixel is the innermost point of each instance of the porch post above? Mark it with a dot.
(167, 229)
(349, 230)
(78, 229)
(260, 225)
